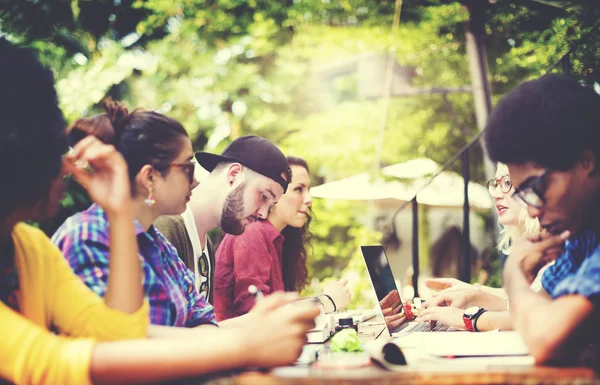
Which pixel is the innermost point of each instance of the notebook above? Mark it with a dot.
(388, 295)
(452, 351)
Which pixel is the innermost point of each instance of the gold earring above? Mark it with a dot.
(150, 201)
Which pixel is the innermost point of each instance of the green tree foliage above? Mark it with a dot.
(338, 234)
(525, 38)
(226, 68)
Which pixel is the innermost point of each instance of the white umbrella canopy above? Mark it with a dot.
(447, 189)
(414, 168)
(358, 187)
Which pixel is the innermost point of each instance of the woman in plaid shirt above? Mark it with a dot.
(159, 155)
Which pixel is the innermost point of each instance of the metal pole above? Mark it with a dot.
(465, 274)
(476, 53)
(387, 89)
(415, 245)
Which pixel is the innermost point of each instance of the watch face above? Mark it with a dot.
(470, 312)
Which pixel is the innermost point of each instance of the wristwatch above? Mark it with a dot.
(470, 317)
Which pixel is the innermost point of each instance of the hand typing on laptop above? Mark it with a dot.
(439, 284)
(465, 298)
(451, 316)
(397, 317)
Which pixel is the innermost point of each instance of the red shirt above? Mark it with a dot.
(252, 258)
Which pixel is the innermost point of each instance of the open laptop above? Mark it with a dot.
(385, 287)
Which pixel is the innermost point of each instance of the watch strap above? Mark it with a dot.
(476, 318)
(468, 323)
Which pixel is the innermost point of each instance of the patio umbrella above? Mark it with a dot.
(447, 189)
(359, 187)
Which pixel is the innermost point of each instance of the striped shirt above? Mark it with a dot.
(168, 283)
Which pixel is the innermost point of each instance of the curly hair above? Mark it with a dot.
(142, 137)
(542, 118)
(296, 242)
(32, 129)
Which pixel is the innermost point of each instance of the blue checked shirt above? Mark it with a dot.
(577, 270)
(168, 284)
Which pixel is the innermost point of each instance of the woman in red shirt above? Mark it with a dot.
(271, 254)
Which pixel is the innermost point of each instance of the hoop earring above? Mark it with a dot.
(150, 200)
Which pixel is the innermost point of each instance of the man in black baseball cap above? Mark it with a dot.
(254, 152)
(244, 182)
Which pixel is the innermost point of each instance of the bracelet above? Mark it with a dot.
(332, 302)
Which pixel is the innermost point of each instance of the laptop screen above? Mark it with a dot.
(385, 286)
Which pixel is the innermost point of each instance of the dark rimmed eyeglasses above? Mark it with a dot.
(531, 191)
(187, 167)
(504, 183)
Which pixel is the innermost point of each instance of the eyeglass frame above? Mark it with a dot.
(188, 168)
(532, 185)
(204, 273)
(498, 183)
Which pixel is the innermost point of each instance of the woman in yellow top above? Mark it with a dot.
(39, 292)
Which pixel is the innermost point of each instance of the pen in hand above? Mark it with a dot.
(258, 295)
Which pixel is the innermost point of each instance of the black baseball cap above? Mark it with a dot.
(254, 152)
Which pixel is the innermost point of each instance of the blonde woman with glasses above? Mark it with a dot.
(477, 307)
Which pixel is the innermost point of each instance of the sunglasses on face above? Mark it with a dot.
(187, 167)
(504, 183)
(531, 192)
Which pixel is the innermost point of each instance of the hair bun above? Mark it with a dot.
(117, 113)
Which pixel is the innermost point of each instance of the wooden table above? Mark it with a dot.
(533, 375)
(375, 375)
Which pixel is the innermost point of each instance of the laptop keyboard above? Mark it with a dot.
(426, 327)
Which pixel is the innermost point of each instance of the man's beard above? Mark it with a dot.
(233, 209)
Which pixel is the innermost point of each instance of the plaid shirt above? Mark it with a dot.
(577, 270)
(169, 285)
